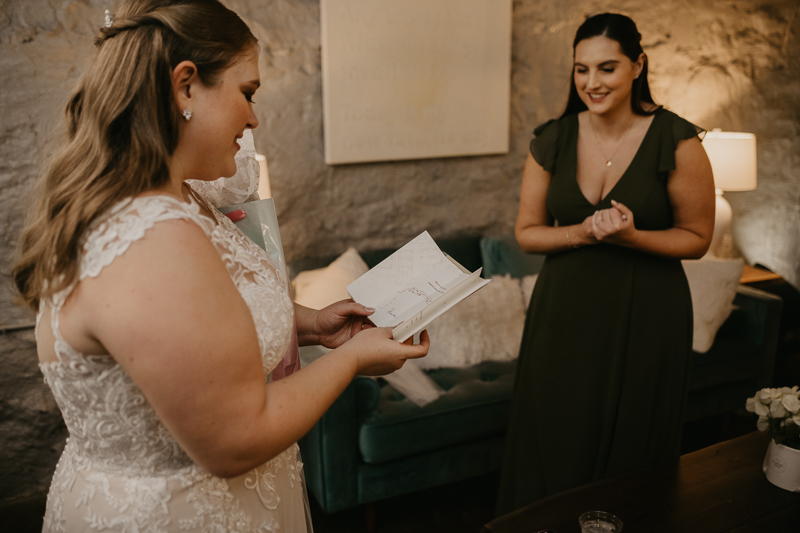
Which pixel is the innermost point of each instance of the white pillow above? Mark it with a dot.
(527, 284)
(321, 287)
(486, 326)
(713, 284)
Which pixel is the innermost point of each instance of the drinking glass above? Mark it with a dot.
(599, 522)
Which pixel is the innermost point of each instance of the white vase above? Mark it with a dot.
(782, 466)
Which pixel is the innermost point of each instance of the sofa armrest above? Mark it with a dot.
(763, 315)
(330, 449)
(742, 358)
(745, 345)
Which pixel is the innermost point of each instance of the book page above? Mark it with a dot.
(415, 296)
(413, 286)
(401, 270)
(425, 316)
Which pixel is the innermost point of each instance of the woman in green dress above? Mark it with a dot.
(616, 192)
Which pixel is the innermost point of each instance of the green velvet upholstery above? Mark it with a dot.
(475, 406)
(502, 255)
(373, 443)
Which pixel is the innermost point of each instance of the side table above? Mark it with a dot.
(787, 356)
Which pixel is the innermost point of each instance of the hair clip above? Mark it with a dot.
(109, 20)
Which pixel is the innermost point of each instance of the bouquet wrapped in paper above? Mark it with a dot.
(259, 223)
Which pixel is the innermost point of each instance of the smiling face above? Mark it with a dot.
(604, 75)
(220, 114)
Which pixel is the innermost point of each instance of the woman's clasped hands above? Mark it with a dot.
(613, 225)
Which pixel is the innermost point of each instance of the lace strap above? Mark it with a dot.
(110, 236)
(127, 222)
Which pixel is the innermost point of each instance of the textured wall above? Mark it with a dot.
(731, 64)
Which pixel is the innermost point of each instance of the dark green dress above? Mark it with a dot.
(602, 372)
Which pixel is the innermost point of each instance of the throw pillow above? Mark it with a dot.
(321, 287)
(526, 284)
(713, 284)
(486, 326)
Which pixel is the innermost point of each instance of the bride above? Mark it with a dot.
(159, 324)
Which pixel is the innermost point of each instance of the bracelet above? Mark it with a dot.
(569, 241)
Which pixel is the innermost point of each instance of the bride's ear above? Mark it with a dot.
(184, 77)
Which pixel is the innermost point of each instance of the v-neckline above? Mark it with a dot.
(624, 173)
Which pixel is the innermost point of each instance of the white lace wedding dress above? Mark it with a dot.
(121, 469)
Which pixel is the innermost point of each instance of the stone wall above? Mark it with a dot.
(731, 64)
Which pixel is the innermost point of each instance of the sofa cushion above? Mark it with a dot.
(321, 287)
(713, 284)
(475, 405)
(486, 326)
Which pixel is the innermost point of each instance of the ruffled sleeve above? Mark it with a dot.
(544, 145)
(674, 130)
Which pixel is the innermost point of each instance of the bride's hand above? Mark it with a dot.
(377, 354)
(341, 321)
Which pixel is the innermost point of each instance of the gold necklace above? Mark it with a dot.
(600, 146)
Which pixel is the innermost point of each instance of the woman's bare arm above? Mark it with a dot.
(169, 314)
(534, 230)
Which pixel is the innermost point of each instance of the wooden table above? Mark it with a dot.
(752, 274)
(718, 489)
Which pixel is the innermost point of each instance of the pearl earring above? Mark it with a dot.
(187, 114)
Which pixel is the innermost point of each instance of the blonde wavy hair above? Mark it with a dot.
(121, 128)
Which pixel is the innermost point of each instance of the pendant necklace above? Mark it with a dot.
(600, 146)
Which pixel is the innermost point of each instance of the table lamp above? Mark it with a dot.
(263, 178)
(733, 161)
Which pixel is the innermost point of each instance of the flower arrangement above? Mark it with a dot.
(778, 412)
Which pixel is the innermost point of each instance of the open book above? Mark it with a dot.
(413, 286)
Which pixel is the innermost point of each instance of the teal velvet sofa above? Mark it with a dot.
(374, 444)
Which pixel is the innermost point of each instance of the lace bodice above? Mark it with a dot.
(116, 438)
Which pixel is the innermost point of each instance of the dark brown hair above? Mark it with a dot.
(623, 30)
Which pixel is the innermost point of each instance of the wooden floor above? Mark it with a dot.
(458, 507)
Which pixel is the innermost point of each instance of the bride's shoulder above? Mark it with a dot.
(149, 221)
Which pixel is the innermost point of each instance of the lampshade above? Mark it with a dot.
(263, 178)
(733, 159)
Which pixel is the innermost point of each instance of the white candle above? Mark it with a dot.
(263, 178)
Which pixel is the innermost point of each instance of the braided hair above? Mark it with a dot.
(121, 128)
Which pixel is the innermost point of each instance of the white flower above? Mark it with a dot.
(776, 410)
(763, 423)
(760, 409)
(750, 405)
(765, 396)
(796, 419)
(791, 403)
